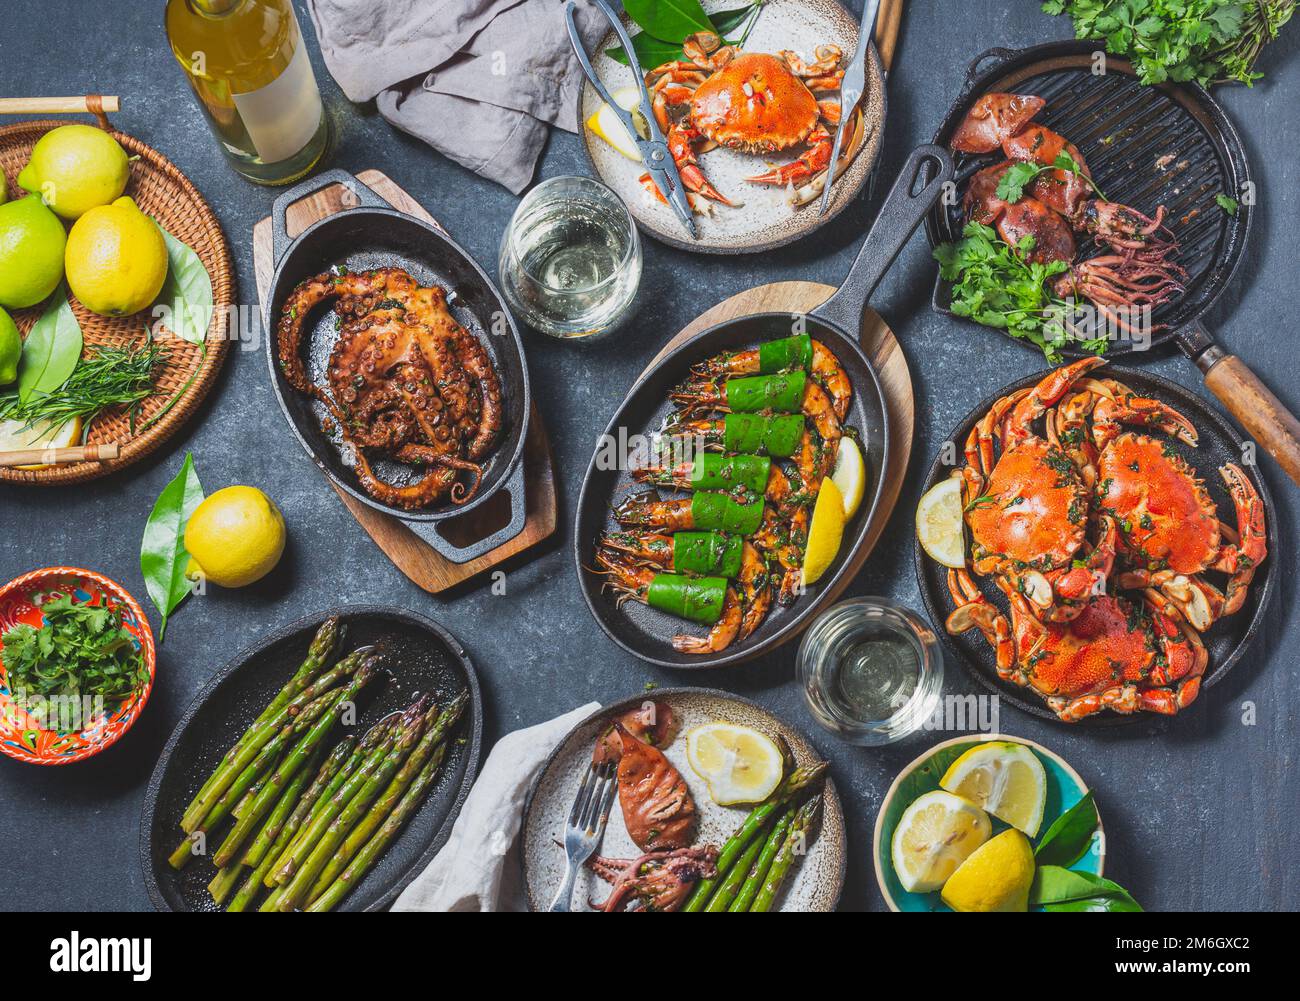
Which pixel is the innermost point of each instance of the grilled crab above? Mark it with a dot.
(753, 102)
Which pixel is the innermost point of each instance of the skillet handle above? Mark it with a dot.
(986, 61)
(900, 214)
(280, 239)
(1261, 413)
(428, 530)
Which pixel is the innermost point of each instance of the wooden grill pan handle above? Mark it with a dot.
(1262, 414)
(887, 22)
(88, 104)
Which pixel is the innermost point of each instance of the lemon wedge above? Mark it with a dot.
(939, 526)
(825, 533)
(850, 475)
(934, 836)
(606, 124)
(1004, 778)
(996, 877)
(17, 436)
(738, 764)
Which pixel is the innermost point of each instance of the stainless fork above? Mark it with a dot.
(586, 826)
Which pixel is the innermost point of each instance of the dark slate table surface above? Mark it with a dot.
(1201, 811)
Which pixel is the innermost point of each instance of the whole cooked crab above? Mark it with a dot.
(754, 102)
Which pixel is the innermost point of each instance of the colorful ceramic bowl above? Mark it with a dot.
(21, 736)
(1064, 789)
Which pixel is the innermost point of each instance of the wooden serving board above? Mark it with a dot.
(409, 553)
(884, 352)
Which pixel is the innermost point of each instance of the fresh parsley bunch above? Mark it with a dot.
(1181, 40)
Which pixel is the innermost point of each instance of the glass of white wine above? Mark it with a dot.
(570, 259)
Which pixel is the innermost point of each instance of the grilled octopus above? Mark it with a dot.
(1058, 204)
(657, 881)
(405, 380)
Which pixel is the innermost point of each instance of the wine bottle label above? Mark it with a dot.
(282, 117)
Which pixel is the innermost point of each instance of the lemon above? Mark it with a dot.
(934, 836)
(116, 259)
(825, 532)
(996, 877)
(4, 190)
(74, 168)
(850, 475)
(939, 525)
(606, 124)
(31, 252)
(1004, 778)
(11, 348)
(235, 536)
(16, 435)
(738, 764)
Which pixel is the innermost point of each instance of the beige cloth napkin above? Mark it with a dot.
(478, 867)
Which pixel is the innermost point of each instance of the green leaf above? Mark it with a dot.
(52, 348)
(669, 20)
(1011, 187)
(1056, 887)
(1070, 835)
(163, 556)
(650, 51)
(1229, 205)
(186, 294)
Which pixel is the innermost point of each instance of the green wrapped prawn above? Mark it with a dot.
(753, 393)
(786, 353)
(715, 512)
(778, 435)
(696, 598)
(711, 471)
(707, 553)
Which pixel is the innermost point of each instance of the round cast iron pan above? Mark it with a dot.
(646, 632)
(376, 235)
(1226, 641)
(421, 656)
(1122, 129)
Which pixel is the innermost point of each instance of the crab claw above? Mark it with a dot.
(812, 161)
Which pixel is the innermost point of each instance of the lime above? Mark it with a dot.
(11, 348)
(116, 259)
(934, 836)
(996, 877)
(236, 536)
(31, 252)
(75, 168)
(740, 765)
(1004, 778)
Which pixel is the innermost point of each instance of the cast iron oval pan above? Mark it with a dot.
(375, 235)
(1226, 641)
(420, 655)
(647, 633)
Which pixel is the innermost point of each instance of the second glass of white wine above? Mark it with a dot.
(248, 64)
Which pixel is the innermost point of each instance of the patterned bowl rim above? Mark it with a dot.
(147, 647)
(926, 755)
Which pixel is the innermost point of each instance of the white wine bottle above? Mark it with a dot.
(248, 65)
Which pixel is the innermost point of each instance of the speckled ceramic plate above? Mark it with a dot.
(22, 736)
(767, 219)
(819, 878)
(1064, 789)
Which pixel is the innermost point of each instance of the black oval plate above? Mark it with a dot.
(1226, 641)
(646, 632)
(424, 657)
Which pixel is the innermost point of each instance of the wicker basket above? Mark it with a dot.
(165, 193)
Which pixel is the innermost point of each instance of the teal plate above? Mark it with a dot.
(1064, 789)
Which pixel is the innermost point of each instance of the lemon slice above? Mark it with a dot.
(738, 764)
(825, 532)
(939, 526)
(17, 436)
(934, 836)
(850, 475)
(606, 124)
(1004, 778)
(996, 877)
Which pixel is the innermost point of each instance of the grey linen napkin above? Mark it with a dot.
(478, 80)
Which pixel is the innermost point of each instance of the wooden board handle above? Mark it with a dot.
(56, 456)
(88, 104)
(1261, 413)
(887, 22)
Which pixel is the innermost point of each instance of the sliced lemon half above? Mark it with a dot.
(1004, 778)
(935, 835)
(606, 124)
(824, 533)
(738, 764)
(939, 526)
(17, 436)
(850, 475)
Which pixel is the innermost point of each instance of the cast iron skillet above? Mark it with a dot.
(376, 235)
(1226, 641)
(421, 657)
(647, 633)
(1170, 145)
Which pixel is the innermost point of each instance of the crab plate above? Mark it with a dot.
(755, 103)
